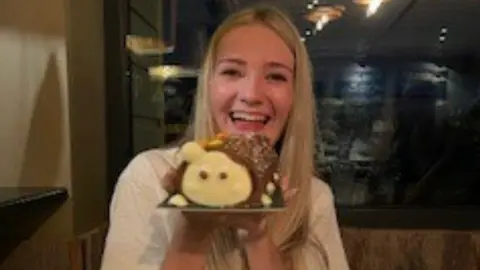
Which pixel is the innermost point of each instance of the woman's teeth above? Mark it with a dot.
(239, 116)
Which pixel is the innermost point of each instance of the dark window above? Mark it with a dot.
(397, 93)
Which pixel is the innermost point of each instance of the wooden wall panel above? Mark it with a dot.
(412, 249)
(39, 256)
(366, 249)
(83, 253)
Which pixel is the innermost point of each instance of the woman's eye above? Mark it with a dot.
(277, 77)
(231, 72)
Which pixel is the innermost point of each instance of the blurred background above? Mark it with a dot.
(396, 85)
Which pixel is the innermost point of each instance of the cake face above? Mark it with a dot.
(215, 180)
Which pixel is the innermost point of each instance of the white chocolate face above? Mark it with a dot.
(215, 180)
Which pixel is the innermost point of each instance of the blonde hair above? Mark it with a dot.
(289, 229)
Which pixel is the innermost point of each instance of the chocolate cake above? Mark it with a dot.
(235, 171)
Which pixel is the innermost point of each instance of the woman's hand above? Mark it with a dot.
(254, 224)
(199, 225)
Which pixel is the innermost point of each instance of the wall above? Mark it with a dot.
(35, 133)
(52, 134)
(385, 249)
(34, 138)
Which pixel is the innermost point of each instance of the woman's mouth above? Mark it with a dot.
(249, 122)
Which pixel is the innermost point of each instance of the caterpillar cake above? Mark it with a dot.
(227, 172)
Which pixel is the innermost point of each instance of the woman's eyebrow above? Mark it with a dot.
(279, 65)
(232, 60)
(271, 64)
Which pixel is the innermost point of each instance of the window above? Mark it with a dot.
(400, 132)
(397, 91)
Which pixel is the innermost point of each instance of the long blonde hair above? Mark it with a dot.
(289, 229)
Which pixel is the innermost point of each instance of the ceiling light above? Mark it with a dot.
(367, 2)
(309, 6)
(147, 45)
(163, 73)
(372, 5)
(324, 14)
(444, 30)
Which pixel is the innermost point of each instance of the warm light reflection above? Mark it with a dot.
(323, 15)
(163, 73)
(147, 45)
(373, 7)
(322, 22)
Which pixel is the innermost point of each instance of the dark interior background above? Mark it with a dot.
(397, 94)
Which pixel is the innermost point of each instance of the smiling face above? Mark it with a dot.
(251, 86)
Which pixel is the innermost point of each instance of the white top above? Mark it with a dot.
(140, 233)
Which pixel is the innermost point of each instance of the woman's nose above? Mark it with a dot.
(252, 93)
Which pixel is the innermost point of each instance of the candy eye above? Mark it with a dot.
(223, 175)
(203, 175)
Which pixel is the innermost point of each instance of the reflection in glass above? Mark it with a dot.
(397, 134)
(178, 95)
(397, 93)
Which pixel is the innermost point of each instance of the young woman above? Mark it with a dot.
(256, 77)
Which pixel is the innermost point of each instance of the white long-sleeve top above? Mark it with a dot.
(140, 233)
